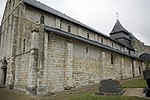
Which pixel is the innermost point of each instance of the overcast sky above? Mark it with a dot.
(134, 15)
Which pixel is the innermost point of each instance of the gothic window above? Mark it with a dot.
(42, 20)
(24, 44)
(112, 59)
(4, 63)
(69, 28)
(88, 35)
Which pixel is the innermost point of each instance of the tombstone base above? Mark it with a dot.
(110, 93)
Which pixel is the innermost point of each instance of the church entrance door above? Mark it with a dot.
(4, 75)
(4, 71)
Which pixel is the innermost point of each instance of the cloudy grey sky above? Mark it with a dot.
(134, 15)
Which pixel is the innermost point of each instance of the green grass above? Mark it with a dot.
(93, 97)
(138, 83)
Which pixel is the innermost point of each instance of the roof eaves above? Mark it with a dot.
(76, 37)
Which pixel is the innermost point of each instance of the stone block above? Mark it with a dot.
(42, 90)
(31, 91)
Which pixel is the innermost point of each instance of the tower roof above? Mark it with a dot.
(119, 28)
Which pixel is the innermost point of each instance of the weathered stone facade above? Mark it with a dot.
(140, 47)
(45, 51)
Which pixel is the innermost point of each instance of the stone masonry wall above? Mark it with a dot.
(88, 64)
(21, 71)
(140, 47)
(56, 63)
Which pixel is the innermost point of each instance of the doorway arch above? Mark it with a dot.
(4, 71)
(145, 56)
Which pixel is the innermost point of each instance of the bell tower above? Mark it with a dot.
(120, 34)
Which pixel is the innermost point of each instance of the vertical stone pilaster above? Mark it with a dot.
(11, 79)
(122, 69)
(42, 69)
(33, 64)
(43, 72)
(36, 64)
(69, 65)
(103, 65)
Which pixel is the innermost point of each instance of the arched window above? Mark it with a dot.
(42, 20)
(4, 63)
(87, 49)
(69, 28)
(88, 35)
(112, 59)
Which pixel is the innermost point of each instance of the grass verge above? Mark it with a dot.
(137, 83)
(93, 97)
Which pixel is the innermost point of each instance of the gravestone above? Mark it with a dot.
(110, 87)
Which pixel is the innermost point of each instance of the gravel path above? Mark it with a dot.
(6, 94)
(134, 92)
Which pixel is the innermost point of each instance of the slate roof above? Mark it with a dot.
(125, 42)
(120, 35)
(119, 28)
(123, 36)
(50, 10)
(85, 40)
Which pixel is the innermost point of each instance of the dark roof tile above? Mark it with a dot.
(119, 28)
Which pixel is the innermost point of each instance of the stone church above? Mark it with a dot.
(43, 50)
